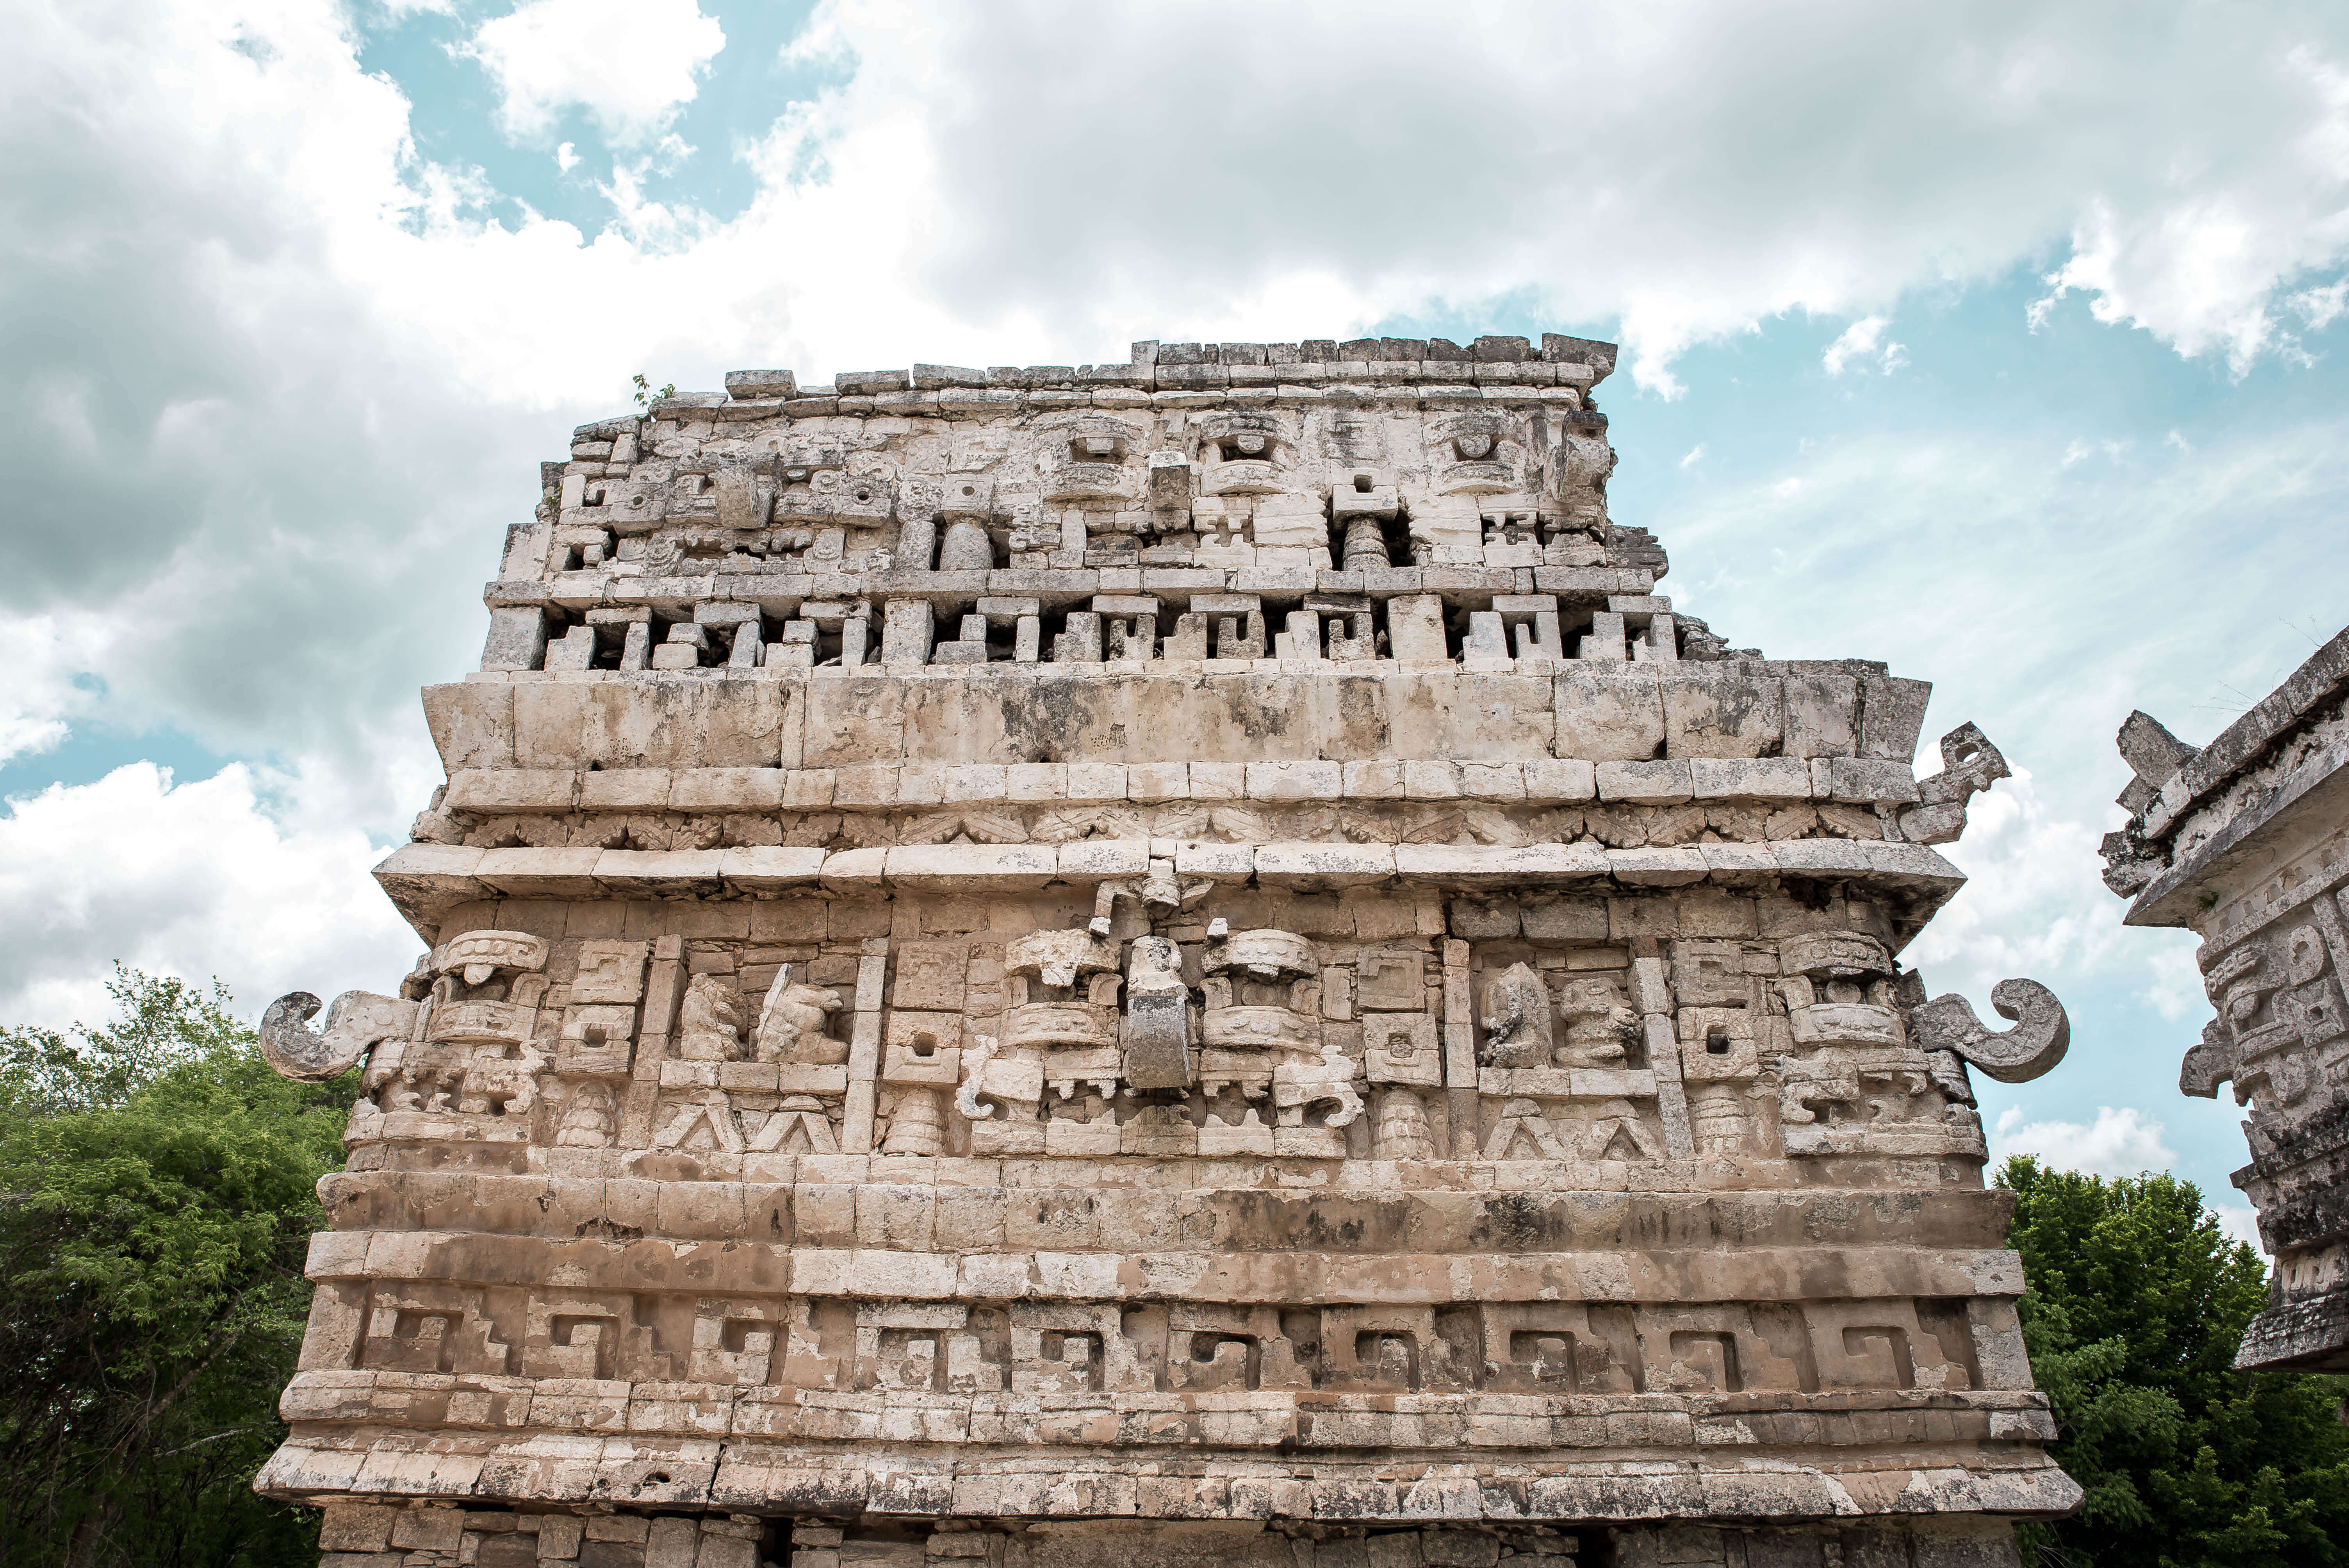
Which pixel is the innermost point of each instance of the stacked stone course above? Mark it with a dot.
(1179, 960)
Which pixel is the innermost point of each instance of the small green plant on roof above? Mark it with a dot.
(646, 396)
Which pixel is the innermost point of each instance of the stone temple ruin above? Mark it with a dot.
(2246, 843)
(1168, 963)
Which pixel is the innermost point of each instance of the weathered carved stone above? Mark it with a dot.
(1177, 963)
(1517, 1025)
(2246, 842)
(2041, 1035)
(359, 1021)
(1969, 765)
(792, 1020)
(1157, 1017)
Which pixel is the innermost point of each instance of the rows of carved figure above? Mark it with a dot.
(653, 538)
(1547, 1040)
(2274, 968)
(1004, 510)
(1359, 485)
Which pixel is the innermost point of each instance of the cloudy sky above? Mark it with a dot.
(2000, 342)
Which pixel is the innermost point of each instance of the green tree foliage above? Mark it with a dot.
(2135, 1305)
(157, 1192)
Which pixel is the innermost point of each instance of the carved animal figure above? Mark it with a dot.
(792, 1020)
(1597, 1025)
(1517, 1022)
(709, 1024)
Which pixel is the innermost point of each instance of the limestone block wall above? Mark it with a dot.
(1179, 959)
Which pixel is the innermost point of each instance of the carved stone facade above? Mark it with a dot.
(2246, 842)
(1164, 963)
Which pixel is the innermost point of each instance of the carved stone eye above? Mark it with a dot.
(1250, 446)
(1473, 447)
(1098, 447)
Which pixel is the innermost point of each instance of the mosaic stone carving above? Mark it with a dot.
(1167, 961)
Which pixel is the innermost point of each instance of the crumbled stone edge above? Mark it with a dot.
(2318, 685)
(732, 1475)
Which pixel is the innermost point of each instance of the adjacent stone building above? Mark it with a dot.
(1164, 963)
(2246, 842)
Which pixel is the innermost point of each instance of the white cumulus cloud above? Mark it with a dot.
(2204, 262)
(196, 880)
(2240, 1223)
(304, 376)
(2079, 449)
(2122, 1141)
(630, 63)
(2033, 904)
(1862, 341)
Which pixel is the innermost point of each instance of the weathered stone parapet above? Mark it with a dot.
(2246, 842)
(1175, 962)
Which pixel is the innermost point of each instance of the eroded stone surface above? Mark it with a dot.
(2246, 842)
(1169, 962)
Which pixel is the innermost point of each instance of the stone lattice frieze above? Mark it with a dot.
(1025, 962)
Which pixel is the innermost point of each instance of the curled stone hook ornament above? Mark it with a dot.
(2209, 1065)
(2041, 1035)
(358, 1021)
